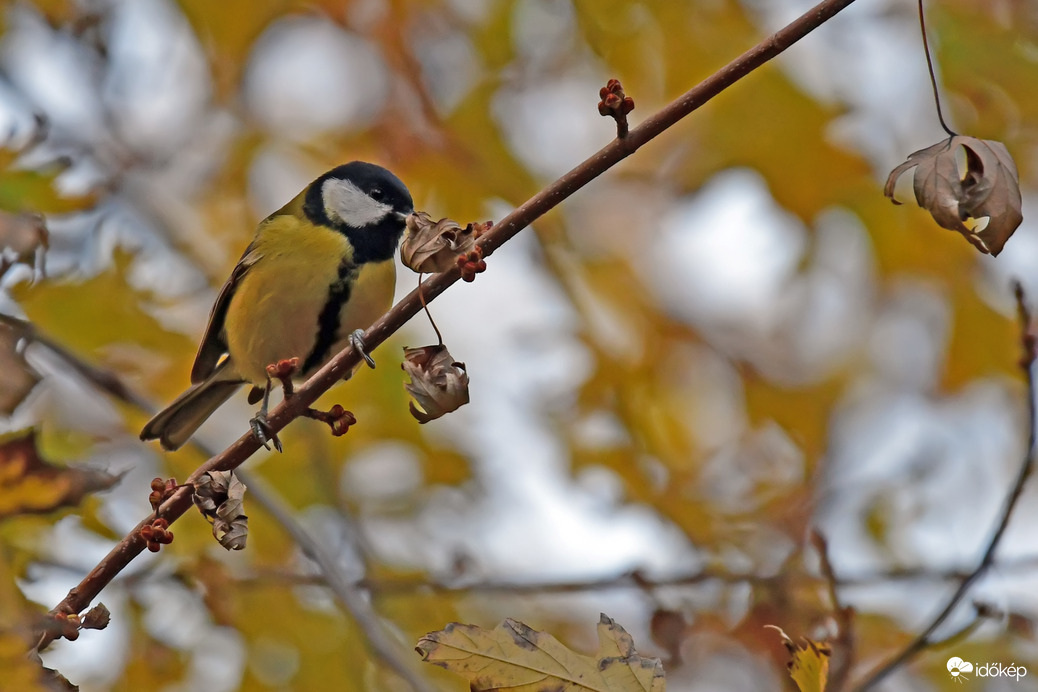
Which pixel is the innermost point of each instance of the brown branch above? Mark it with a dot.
(100, 378)
(924, 641)
(347, 594)
(844, 615)
(233, 456)
(390, 588)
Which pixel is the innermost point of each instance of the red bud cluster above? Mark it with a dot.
(337, 418)
(472, 263)
(161, 490)
(615, 104)
(157, 534)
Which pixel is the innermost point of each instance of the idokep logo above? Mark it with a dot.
(958, 669)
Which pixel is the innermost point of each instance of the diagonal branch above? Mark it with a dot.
(924, 641)
(233, 456)
(349, 595)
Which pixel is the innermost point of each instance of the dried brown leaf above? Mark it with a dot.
(97, 618)
(517, 658)
(433, 246)
(219, 496)
(17, 377)
(979, 196)
(22, 237)
(31, 485)
(439, 384)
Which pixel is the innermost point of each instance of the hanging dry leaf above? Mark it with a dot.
(514, 657)
(809, 662)
(438, 383)
(17, 377)
(219, 497)
(31, 485)
(22, 237)
(433, 246)
(968, 185)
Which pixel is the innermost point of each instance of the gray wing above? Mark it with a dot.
(214, 344)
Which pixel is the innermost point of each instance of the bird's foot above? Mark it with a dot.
(357, 342)
(338, 418)
(262, 432)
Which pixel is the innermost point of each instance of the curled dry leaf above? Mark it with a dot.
(433, 246)
(97, 618)
(968, 185)
(22, 237)
(219, 497)
(515, 657)
(809, 662)
(31, 485)
(438, 383)
(17, 377)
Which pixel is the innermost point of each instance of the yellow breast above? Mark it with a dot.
(276, 309)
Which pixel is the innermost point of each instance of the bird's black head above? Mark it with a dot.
(366, 203)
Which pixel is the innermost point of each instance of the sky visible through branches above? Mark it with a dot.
(726, 342)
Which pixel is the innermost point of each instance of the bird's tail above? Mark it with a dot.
(175, 424)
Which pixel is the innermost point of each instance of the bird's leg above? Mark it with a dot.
(260, 428)
(338, 418)
(282, 371)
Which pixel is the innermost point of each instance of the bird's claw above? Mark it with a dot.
(263, 434)
(357, 341)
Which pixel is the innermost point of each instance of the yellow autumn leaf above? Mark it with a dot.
(23, 190)
(31, 485)
(809, 662)
(20, 671)
(512, 656)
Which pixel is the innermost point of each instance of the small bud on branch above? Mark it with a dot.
(615, 104)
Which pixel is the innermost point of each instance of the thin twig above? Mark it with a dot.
(99, 377)
(933, 77)
(421, 297)
(923, 641)
(844, 644)
(349, 597)
(390, 588)
(233, 456)
(345, 591)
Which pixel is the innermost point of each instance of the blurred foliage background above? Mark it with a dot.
(730, 339)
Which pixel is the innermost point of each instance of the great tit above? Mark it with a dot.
(319, 269)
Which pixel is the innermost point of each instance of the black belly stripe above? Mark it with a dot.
(328, 320)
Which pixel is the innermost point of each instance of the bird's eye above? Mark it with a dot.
(376, 193)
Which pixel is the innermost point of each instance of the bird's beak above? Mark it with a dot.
(402, 216)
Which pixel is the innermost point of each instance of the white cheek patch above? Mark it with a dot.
(345, 202)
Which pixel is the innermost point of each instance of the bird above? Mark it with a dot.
(318, 272)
